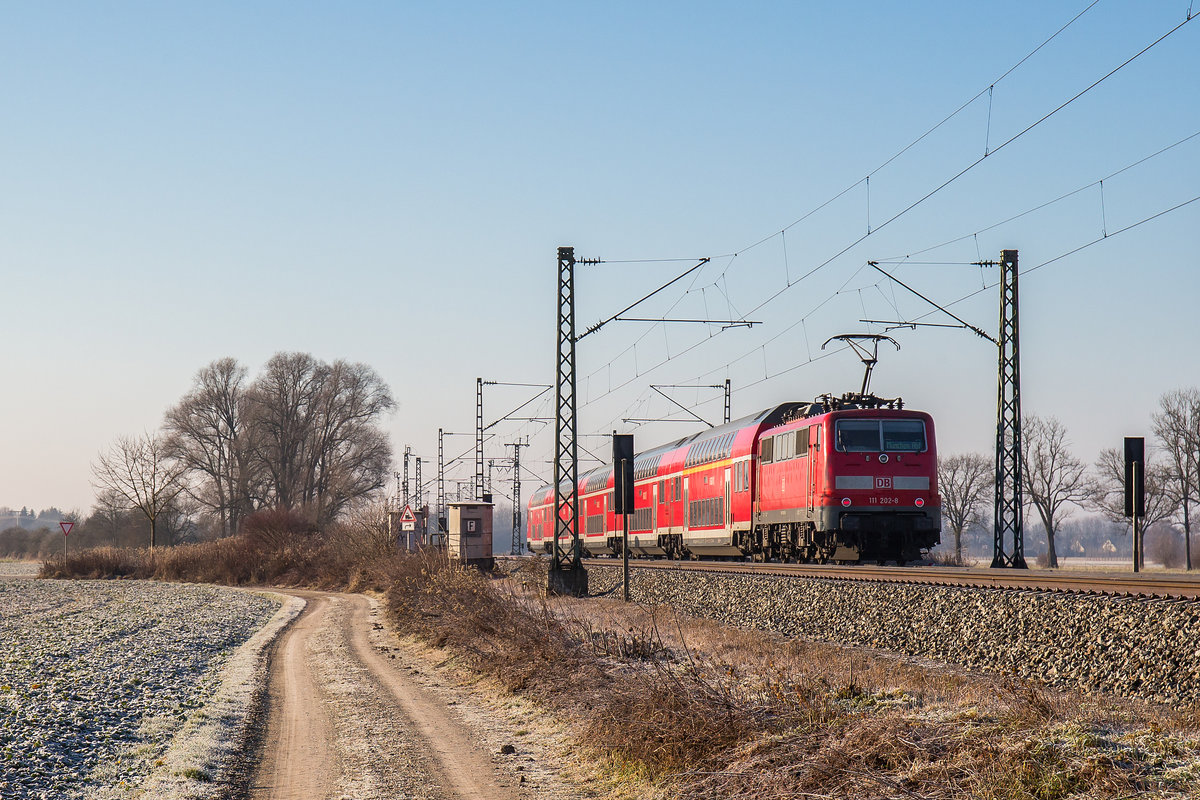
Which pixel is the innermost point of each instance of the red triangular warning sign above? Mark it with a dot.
(407, 515)
(66, 526)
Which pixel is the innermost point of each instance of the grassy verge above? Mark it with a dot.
(691, 709)
(668, 706)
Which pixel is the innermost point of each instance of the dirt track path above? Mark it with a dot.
(297, 762)
(348, 718)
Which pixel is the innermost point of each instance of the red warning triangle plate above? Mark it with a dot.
(407, 515)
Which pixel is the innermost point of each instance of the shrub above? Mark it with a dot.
(277, 528)
(1165, 545)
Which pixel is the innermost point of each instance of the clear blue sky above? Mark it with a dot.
(388, 183)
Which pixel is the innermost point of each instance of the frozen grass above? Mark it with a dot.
(96, 679)
(10, 568)
(198, 761)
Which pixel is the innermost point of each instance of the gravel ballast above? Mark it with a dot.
(1131, 647)
(98, 677)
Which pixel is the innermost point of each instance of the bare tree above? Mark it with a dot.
(283, 401)
(110, 506)
(965, 483)
(1177, 426)
(1161, 505)
(207, 433)
(138, 470)
(316, 435)
(1054, 479)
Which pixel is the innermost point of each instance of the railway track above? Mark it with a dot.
(1165, 585)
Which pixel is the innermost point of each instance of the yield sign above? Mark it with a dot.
(66, 527)
(407, 515)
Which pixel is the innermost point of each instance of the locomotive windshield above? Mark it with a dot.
(880, 435)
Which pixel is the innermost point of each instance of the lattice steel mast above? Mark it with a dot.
(419, 496)
(479, 489)
(1009, 477)
(1009, 469)
(567, 575)
(518, 541)
(406, 497)
(441, 487)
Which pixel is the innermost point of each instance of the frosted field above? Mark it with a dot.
(101, 683)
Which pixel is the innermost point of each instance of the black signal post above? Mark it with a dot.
(623, 498)
(1135, 492)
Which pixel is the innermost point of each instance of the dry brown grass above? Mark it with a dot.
(690, 709)
(236, 561)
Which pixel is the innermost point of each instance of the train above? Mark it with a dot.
(841, 479)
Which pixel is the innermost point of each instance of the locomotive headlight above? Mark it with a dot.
(846, 502)
(920, 502)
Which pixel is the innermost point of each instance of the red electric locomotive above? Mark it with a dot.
(845, 479)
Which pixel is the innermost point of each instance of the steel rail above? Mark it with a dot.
(1161, 585)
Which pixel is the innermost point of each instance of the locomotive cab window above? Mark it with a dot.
(874, 435)
(904, 435)
(858, 435)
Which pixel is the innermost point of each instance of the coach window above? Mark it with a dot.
(764, 449)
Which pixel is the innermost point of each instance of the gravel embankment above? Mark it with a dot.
(1134, 648)
(98, 678)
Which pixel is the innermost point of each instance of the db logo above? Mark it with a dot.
(883, 483)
